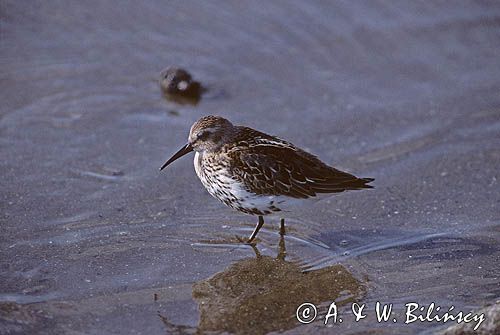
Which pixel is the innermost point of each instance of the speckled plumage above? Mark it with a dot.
(257, 173)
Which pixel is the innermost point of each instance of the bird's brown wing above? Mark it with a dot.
(267, 165)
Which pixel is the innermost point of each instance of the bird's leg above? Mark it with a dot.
(282, 226)
(257, 228)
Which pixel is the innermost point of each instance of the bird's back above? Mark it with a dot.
(267, 165)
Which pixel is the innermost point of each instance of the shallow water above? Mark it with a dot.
(95, 239)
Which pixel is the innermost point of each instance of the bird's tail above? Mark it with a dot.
(358, 183)
(349, 182)
(366, 181)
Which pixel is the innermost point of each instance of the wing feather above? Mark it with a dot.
(267, 165)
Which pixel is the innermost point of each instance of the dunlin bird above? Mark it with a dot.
(256, 173)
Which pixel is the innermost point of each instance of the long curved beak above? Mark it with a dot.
(184, 150)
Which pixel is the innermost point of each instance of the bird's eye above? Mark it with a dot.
(203, 136)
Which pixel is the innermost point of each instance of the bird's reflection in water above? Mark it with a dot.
(259, 295)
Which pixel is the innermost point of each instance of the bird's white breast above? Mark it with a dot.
(218, 182)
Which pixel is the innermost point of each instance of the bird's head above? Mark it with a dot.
(207, 134)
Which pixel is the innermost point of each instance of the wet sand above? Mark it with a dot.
(95, 240)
